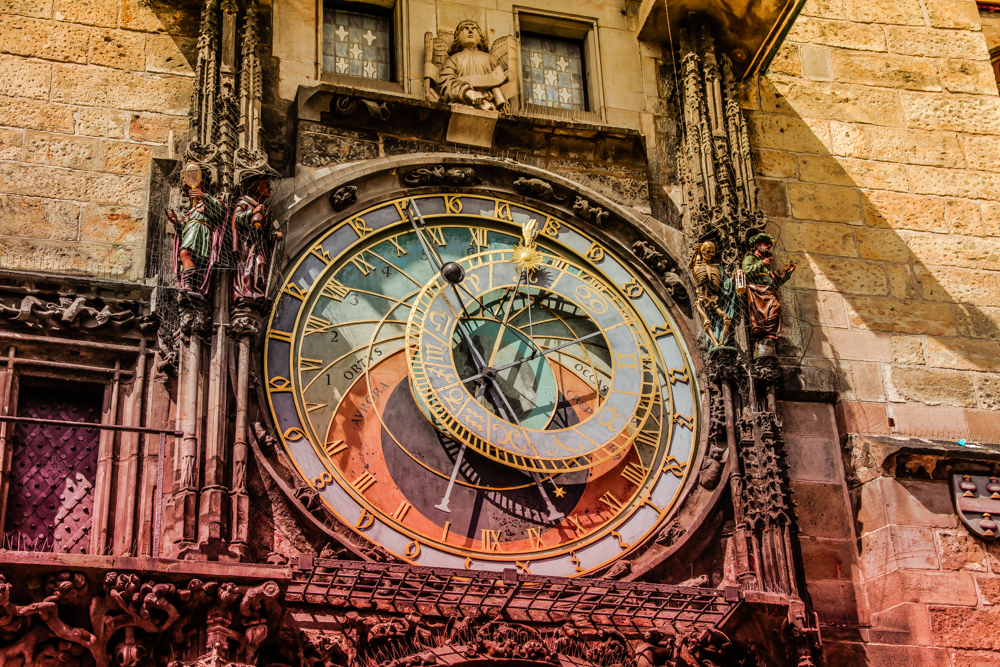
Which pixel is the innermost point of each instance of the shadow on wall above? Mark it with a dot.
(861, 275)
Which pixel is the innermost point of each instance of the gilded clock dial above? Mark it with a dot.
(541, 419)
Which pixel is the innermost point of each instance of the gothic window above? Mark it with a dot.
(53, 470)
(358, 41)
(553, 71)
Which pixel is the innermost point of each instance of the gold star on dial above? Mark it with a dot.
(560, 492)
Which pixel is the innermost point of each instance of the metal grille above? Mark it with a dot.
(53, 470)
(526, 598)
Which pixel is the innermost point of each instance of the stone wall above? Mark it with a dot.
(92, 91)
(877, 133)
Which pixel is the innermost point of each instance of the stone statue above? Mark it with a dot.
(469, 72)
(762, 293)
(253, 241)
(715, 294)
(198, 240)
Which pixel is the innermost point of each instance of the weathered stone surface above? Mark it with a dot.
(822, 238)
(984, 425)
(991, 221)
(28, 217)
(973, 659)
(975, 114)
(828, 559)
(171, 54)
(886, 549)
(43, 181)
(964, 251)
(121, 89)
(826, 9)
(43, 39)
(62, 151)
(824, 169)
(786, 60)
(963, 217)
(953, 14)
(966, 628)
(101, 123)
(125, 158)
(904, 211)
(814, 62)
(88, 12)
(116, 48)
(935, 149)
(921, 586)
(967, 76)
(100, 261)
(867, 418)
(864, 382)
(25, 78)
(833, 101)
(885, 11)
(40, 9)
(772, 198)
(989, 588)
(960, 551)
(932, 43)
(983, 152)
(156, 129)
(775, 164)
(978, 321)
(824, 309)
(318, 150)
(786, 134)
(988, 390)
(843, 34)
(829, 203)
(905, 502)
(886, 70)
(849, 140)
(883, 245)
(943, 283)
(930, 386)
(112, 225)
(915, 317)
(822, 510)
(835, 274)
(902, 282)
(11, 144)
(907, 349)
(963, 183)
(963, 354)
(160, 16)
(846, 344)
(35, 115)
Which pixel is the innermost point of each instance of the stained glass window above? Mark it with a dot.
(357, 44)
(553, 72)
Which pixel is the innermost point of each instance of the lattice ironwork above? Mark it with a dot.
(53, 471)
(448, 592)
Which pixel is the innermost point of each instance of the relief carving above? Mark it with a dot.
(470, 71)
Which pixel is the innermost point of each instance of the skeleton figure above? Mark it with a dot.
(715, 294)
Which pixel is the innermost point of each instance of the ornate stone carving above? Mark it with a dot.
(584, 210)
(470, 71)
(715, 293)
(343, 197)
(977, 503)
(536, 188)
(440, 175)
(763, 282)
(73, 312)
(345, 106)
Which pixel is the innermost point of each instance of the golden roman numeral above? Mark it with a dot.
(310, 365)
(399, 249)
(315, 325)
(321, 253)
(334, 448)
(523, 564)
(596, 253)
(491, 540)
(535, 535)
(612, 502)
(279, 384)
(336, 291)
(364, 482)
(647, 438)
(363, 266)
(401, 511)
(313, 407)
(478, 237)
(502, 211)
(359, 226)
(283, 336)
(633, 289)
(296, 291)
(437, 235)
(661, 330)
(634, 473)
(580, 530)
(622, 543)
(444, 531)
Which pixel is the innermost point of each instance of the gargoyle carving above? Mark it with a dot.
(470, 71)
(587, 211)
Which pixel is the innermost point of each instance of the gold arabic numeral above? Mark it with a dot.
(674, 375)
(437, 235)
(321, 253)
(445, 531)
(296, 291)
(401, 206)
(400, 251)
(635, 473)
(576, 561)
(491, 540)
(632, 289)
(612, 502)
(648, 438)
(336, 291)
(319, 482)
(551, 228)
(363, 265)
(535, 535)
(661, 330)
(315, 325)
(364, 482)
(401, 511)
(313, 407)
(595, 253)
(334, 447)
(452, 204)
(675, 466)
(478, 238)
(686, 422)
(279, 383)
(624, 361)
(501, 211)
(580, 530)
(622, 543)
(360, 227)
(412, 550)
(523, 565)
(365, 521)
(306, 365)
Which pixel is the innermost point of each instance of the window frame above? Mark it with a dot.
(395, 10)
(582, 29)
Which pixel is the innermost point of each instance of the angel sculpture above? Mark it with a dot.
(715, 292)
(469, 72)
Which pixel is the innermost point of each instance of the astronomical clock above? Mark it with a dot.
(476, 382)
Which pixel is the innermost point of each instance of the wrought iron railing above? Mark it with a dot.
(448, 592)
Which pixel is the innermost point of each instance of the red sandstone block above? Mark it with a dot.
(984, 425)
(925, 421)
(836, 601)
(906, 623)
(921, 586)
(822, 510)
(862, 418)
(811, 419)
(959, 627)
(831, 560)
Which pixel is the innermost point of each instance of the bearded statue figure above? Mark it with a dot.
(715, 292)
(763, 281)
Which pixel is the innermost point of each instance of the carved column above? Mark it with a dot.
(211, 530)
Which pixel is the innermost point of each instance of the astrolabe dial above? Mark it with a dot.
(486, 416)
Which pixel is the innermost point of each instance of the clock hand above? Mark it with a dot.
(534, 355)
(443, 505)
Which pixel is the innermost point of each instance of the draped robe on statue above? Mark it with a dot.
(762, 297)
(473, 69)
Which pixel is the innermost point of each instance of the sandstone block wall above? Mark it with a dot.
(877, 137)
(92, 90)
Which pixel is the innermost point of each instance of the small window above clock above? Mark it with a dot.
(360, 44)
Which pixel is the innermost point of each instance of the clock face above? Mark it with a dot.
(529, 406)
